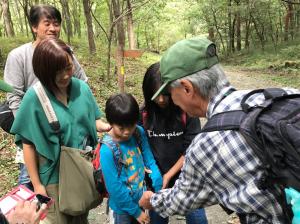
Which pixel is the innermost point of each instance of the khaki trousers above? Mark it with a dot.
(54, 216)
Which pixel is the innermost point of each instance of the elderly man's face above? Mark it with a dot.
(186, 97)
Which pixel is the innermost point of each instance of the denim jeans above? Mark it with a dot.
(197, 216)
(24, 177)
(124, 219)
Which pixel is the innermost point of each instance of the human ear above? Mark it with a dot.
(188, 86)
(34, 29)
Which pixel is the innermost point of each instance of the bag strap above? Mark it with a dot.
(144, 116)
(269, 93)
(137, 136)
(229, 120)
(118, 161)
(50, 114)
(47, 107)
(183, 118)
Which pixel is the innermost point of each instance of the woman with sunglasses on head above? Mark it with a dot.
(170, 131)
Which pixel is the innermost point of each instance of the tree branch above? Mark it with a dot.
(97, 21)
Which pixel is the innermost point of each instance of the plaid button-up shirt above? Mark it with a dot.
(220, 167)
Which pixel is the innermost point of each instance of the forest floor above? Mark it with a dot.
(240, 78)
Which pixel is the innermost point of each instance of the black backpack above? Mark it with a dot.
(272, 130)
(6, 117)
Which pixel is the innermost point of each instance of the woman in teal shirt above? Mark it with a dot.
(76, 110)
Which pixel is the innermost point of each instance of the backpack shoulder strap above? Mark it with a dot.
(137, 136)
(144, 116)
(229, 120)
(269, 94)
(117, 158)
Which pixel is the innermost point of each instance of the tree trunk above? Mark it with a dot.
(89, 24)
(146, 37)
(120, 26)
(297, 18)
(130, 29)
(24, 5)
(1, 32)
(272, 33)
(292, 23)
(19, 16)
(287, 21)
(7, 19)
(218, 30)
(232, 38)
(230, 29)
(238, 29)
(258, 33)
(121, 44)
(111, 31)
(137, 36)
(247, 32)
(76, 18)
(211, 34)
(67, 17)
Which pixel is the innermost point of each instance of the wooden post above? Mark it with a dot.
(120, 68)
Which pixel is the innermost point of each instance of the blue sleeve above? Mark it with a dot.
(117, 189)
(150, 162)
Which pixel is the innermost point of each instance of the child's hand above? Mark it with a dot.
(143, 218)
(101, 126)
(166, 180)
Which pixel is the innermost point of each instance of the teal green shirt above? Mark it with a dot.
(77, 120)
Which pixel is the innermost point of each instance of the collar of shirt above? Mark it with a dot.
(214, 101)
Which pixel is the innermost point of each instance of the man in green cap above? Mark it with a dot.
(219, 167)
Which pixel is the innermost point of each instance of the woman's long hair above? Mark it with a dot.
(151, 83)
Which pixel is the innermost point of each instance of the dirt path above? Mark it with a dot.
(215, 215)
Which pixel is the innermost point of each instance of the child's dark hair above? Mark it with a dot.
(122, 109)
(151, 83)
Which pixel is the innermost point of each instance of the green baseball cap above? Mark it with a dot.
(184, 58)
(5, 87)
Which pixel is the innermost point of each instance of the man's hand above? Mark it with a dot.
(143, 218)
(145, 200)
(25, 212)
